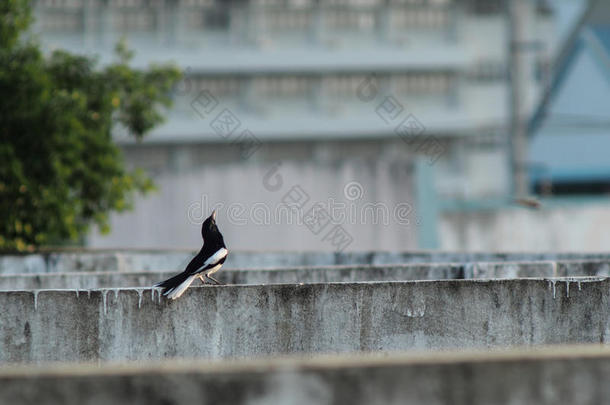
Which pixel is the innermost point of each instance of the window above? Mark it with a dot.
(61, 15)
(342, 85)
(64, 21)
(216, 18)
(572, 188)
(353, 3)
(285, 19)
(191, 3)
(488, 71)
(218, 86)
(134, 20)
(125, 3)
(282, 86)
(426, 3)
(209, 18)
(404, 18)
(349, 19)
(487, 6)
(133, 15)
(61, 4)
(421, 83)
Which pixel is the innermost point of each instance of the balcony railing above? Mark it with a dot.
(246, 23)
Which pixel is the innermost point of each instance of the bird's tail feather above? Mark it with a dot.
(176, 286)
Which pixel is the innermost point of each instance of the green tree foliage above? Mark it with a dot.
(60, 170)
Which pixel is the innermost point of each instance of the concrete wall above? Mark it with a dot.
(569, 228)
(241, 276)
(174, 260)
(246, 321)
(576, 227)
(350, 273)
(92, 260)
(553, 376)
(249, 194)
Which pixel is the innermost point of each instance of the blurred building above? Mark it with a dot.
(571, 127)
(569, 134)
(404, 101)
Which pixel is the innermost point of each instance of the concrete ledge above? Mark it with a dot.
(296, 275)
(245, 321)
(351, 273)
(553, 376)
(146, 260)
(88, 261)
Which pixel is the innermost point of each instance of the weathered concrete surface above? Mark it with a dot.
(520, 269)
(242, 321)
(351, 273)
(92, 260)
(171, 260)
(549, 376)
(293, 275)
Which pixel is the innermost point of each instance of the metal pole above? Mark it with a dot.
(519, 18)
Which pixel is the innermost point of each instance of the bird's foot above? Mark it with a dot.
(214, 280)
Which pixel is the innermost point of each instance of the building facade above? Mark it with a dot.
(403, 101)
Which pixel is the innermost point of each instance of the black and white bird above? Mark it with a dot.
(208, 261)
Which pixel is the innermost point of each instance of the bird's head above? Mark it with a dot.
(209, 226)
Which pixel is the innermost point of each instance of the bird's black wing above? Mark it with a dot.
(195, 265)
(204, 261)
(192, 268)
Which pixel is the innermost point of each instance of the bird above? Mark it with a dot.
(208, 261)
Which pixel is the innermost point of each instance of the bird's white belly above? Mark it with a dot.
(214, 269)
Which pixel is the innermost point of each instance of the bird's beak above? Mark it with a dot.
(214, 215)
